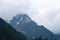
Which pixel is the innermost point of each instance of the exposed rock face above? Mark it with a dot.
(23, 23)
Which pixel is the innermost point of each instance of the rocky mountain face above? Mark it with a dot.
(23, 23)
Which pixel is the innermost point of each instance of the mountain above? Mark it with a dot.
(57, 36)
(7, 32)
(23, 23)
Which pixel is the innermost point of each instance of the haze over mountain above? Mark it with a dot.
(25, 29)
(46, 12)
(23, 23)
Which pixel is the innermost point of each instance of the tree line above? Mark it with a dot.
(40, 38)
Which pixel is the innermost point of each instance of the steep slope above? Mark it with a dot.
(7, 32)
(23, 23)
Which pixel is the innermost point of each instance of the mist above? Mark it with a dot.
(43, 12)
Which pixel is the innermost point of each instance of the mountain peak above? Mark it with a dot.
(21, 18)
(22, 15)
(23, 23)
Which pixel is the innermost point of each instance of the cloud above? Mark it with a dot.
(11, 7)
(46, 12)
(54, 21)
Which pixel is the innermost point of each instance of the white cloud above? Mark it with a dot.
(46, 12)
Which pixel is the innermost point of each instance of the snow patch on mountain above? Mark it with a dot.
(23, 18)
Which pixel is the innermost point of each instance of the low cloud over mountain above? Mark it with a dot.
(46, 12)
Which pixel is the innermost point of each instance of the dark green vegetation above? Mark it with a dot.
(7, 32)
(40, 38)
(57, 36)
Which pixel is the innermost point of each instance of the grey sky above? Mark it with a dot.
(45, 12)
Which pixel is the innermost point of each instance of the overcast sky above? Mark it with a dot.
(45, 12)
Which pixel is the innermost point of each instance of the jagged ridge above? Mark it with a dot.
(30, 28)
